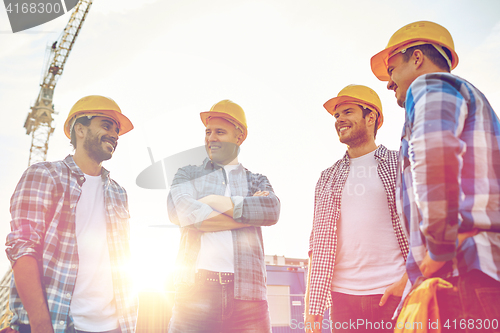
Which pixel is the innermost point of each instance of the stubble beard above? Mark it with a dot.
(357, 138)
(93, 146)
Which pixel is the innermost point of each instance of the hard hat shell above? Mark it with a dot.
(357, 94)
(423, 31)
(98, 106)
(230, 111)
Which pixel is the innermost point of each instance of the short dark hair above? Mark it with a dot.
(430, 52)
(85, 121)
(366, 111)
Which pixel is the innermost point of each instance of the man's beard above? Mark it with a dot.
(93, 146)
(358, 137)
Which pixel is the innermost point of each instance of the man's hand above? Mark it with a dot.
(8, 330)
(428, 266)
(395, 289)
(42, 327)
(312, 323)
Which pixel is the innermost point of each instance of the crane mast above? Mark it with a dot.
(38, 123)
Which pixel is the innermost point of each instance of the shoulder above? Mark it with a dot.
(254, 175)
(333, 168)
(44, 170)
(197, 168)
(438, 82)
(390, 154)
(114, 184)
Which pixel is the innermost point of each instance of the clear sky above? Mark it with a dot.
(164, 62)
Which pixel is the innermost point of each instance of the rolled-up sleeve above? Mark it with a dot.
(183, 207)
(29, 207)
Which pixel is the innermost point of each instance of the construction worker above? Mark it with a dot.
(69, 244)
(220, 207)
(450, 174)
(357, 246)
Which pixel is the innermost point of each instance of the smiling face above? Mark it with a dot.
(222, 141)
(351, 127)
(101, 138)
(402, 73)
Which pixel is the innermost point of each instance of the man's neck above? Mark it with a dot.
(359, 151)
(86, 164)
(233, 162)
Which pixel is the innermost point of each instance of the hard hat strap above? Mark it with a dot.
(230, 120)
(89, 116)
(405, 47)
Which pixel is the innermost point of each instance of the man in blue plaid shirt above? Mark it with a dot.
(449, 182)
(220, 207)
(69, 242)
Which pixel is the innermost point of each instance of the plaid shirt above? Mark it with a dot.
(195, 182)
(43, 227)
(450, 176)
(323, 240)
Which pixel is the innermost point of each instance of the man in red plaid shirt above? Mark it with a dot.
(357, 246)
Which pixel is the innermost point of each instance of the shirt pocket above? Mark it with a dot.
(120, 219)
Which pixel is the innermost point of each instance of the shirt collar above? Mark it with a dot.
(209, 165)
(75, 169)
(380, 155)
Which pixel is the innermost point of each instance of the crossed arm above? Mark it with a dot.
(221, 218)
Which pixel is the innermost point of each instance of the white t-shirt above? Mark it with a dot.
(216, 251)
(368, 257)
(93, 306)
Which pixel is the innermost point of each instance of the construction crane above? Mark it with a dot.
(38, 123)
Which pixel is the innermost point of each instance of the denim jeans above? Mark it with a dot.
(472, 305)
(211, 307)
(362, 313)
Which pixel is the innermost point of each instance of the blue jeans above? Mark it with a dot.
(362, 313)
(211, 307)
(472, 305)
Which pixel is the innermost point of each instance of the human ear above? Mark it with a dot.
(417, 58)
(79, 130)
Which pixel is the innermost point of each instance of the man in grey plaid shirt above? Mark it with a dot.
(357, 247)
(220, 207)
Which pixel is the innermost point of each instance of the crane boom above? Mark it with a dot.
(39, 120)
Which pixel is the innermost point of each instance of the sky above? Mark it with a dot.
(164, 62)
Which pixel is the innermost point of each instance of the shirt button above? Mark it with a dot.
(332, 252)
(68, 295)
(223, 183)
(74, 266)
(72, 206)
(61, 323)
(82, 178)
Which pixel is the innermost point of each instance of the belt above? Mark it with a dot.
(215, 277)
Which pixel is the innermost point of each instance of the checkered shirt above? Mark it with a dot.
(41, 228)
(195, 182)
(327, 203)
(450, 176)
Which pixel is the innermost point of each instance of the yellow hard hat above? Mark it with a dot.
(357, 94)
(97, 106)
(417, 33)
(230, 111)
